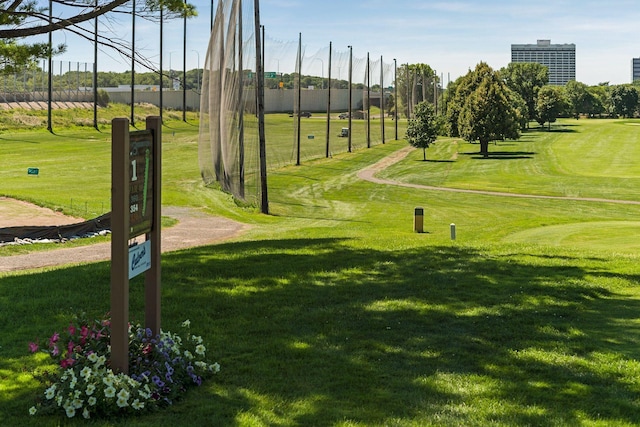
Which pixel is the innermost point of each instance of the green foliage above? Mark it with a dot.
(422, 130)
(487, 112)
(526, 79)
(550, 103)
(625, 100)
(103, 98)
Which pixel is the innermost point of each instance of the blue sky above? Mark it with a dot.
(450, 36)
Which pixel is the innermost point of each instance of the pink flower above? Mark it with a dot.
(33, 347)
(66, 363)
(54, 339)
(72, 329)
(70, 347)
(55, 351)
(84, 333)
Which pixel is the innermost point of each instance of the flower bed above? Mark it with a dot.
(161, 368)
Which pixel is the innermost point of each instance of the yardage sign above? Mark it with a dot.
(140, 182)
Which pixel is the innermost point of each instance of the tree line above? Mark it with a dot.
(486, 105)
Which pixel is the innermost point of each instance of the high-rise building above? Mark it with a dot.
(635, 69)
(559, 58)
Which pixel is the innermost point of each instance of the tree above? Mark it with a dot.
(422, 130)
(549, 104)
(24, 18)
(625, 100)
(526, 79)
(461, 89)
(488, 113)
(577, 97)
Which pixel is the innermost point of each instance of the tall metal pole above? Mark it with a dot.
(382, 99)
(161, 54)
(240, 106)
(368, 102)
(408, 93)
(327, 152)
(435, 92)
(350, 95)
(50, 76)
(264, 203)
(95, 72)
(299, 95)
(395, 93)
(184, 68)
(133, 60)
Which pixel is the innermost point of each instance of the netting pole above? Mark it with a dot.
(329, 102)
(350, 94)
(95, 71)
(299, 95)
(435, 91)
(408, 89)
(395, 94)
(368, 102)
(240, 102)
(264, 203)
(184, 68)
(161, 52)
(382, 99)
(50, 88)
(133, 62)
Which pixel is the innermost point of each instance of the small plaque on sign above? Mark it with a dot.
(33, 171)
(139, 258)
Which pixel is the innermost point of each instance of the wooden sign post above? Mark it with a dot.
(136, 160)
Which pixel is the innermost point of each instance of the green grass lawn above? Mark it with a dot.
(332, 311)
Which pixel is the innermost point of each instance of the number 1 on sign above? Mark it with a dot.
(134, 176)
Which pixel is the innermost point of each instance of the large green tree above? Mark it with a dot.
(20, 19)
(487, 113)
(550, 103)
(577, 97)
(460, 90)
(422, 130)
(526, 79)
(625, 100)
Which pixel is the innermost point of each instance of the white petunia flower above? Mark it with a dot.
(109, 391)
(32, 410)
(200, 349)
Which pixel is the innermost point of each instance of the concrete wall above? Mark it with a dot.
(275, 100)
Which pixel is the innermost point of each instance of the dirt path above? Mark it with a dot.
(368, 174)
(194, 228)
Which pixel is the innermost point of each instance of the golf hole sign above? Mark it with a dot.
(136, 159)
(141, 171)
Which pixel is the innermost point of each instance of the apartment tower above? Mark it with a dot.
(559, 58)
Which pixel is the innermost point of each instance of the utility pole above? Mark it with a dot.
(395, 93)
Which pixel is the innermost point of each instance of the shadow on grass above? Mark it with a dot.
(501, 155)
(316, 332)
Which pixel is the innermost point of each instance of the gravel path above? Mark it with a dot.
(368, 174)
(194, 228)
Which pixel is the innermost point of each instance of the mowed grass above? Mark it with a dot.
(332, 311)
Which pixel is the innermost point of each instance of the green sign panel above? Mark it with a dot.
(140, 182)
(33, 171)
(270, 75)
